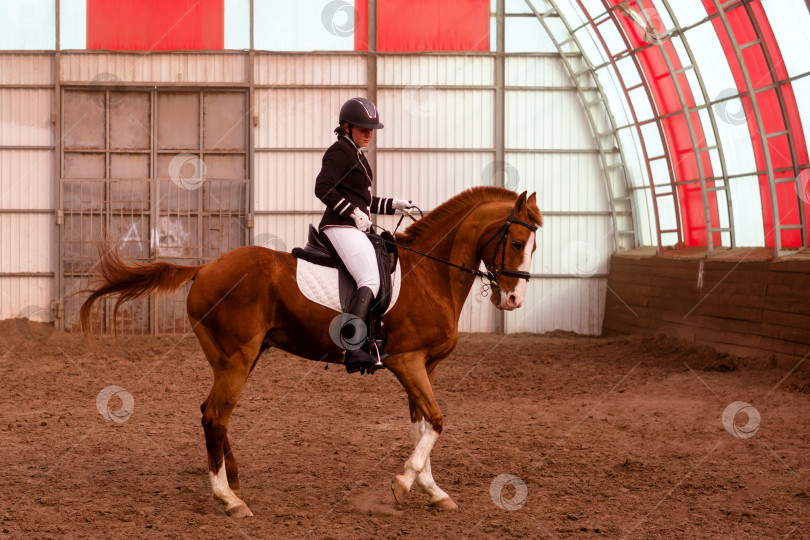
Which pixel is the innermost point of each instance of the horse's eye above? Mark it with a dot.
(517, 245)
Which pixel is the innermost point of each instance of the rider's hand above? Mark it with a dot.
(406, 207)
(361, 220)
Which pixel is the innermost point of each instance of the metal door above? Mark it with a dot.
(162, 173)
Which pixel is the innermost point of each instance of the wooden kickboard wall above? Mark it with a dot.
(744, 307)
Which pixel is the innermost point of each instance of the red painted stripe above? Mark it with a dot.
(684, 160)
(773, 120)
(146, 25)
(426, 25)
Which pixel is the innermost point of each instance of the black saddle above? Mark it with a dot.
(320, 251)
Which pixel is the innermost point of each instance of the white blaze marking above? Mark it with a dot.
(525, 265)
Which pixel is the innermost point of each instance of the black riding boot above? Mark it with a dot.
(359, 358)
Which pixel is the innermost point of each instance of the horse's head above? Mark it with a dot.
(507, 251)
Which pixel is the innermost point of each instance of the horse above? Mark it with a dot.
(247, 300)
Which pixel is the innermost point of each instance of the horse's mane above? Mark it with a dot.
(459, 204)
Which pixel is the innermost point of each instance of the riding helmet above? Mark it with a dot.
(360, 112)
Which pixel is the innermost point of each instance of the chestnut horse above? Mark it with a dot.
(247, 300)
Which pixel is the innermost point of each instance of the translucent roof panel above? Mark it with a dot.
(713, 103)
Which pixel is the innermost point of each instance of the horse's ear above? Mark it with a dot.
(521, 200)
(532, 199)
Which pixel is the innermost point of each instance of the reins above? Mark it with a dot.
(490, 274)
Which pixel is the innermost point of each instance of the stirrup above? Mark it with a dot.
(380, 357)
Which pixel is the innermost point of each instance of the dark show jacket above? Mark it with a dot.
(344, 184)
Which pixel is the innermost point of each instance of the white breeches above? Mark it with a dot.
(357, 254)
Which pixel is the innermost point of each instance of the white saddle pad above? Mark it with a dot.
(320, 284)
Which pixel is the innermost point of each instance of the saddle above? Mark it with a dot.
(319, 250)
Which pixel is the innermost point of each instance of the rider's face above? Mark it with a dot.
(362, 136)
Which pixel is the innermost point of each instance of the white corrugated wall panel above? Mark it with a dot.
(26, 179)
(26, 69)
(26, 183)
(429, 178)
(286, 181)
(25, 243)
(547, 120)
(298, 118)
(156, 67)
(579, 245)
(309, 69)
(25, 117)
(282, 232)
(436, 118)
(573, 305)
(537, 71)
(563, 182)
(24, 296)
(435, 70)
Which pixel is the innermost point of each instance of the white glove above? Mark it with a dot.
(406, 207)
(361, 220)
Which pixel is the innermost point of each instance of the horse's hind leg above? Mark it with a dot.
(230, 373)
(218, 408)
(231, 469)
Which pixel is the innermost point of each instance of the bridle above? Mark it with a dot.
(492, 272)
(500, 234)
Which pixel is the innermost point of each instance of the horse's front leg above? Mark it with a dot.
(425, 479)
(411, 372)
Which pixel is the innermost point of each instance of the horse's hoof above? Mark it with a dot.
(239, 511)
(445, 504)
(399, 489)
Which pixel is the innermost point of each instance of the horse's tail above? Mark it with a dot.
(131, 281)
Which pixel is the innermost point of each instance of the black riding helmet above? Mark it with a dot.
(360, 112)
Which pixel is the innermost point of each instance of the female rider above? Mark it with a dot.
(344, 186)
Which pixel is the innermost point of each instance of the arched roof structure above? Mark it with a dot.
(706, 101)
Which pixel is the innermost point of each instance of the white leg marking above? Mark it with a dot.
(416, 463)
(425, 479)
(222, 491)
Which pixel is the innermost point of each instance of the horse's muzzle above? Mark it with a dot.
(506, 301)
